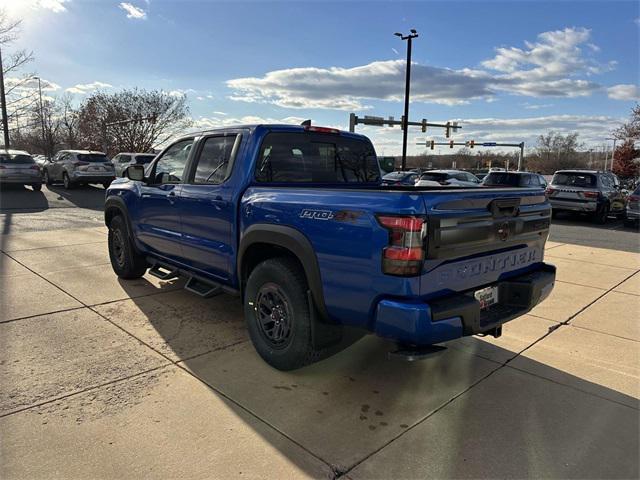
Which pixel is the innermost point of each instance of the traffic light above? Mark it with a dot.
(433, 144)
(450, 143)
(472, 143)
(448, 130)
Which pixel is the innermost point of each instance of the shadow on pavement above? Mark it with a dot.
(21, 199)
(353, 404)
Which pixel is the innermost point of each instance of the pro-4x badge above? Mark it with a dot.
(313, 214)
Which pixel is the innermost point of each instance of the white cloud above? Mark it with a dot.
(536, 106)
(56, 6)
(554, 66)
(207, 123)
(84, 88)
(346, 88)
(624, 92)
(133, 11)
(220, 113)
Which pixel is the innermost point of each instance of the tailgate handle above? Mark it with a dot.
(505, 207)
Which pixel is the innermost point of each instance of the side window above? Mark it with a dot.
(170, 167)
(124, 158)
(471, 178)
(606, 181)
(216, 159)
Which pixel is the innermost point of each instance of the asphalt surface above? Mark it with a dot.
(54, 208)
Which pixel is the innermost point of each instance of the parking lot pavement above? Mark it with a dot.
(106, 378)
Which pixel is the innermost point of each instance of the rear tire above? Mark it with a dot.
(602, 214)
(36, 187)
(126, 261)
(68, 185)
(277, 313)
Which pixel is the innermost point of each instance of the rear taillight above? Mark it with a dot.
(34, 167)
(406, 251)
(549, 190)
(590, 194)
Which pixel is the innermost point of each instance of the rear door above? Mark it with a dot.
(158, 215)
(207, 209)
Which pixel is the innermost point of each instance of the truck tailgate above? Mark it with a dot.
(475, 237)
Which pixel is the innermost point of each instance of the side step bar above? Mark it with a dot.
(163, 273)
(202, 288)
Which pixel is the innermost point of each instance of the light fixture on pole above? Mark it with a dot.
(405, 118)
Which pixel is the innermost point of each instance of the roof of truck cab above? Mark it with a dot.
(278, 126)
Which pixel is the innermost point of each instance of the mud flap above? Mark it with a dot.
(323, 334)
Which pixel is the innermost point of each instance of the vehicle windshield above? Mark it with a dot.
(503, 178)
(308, 157)
(19, 159)
(144, 159)
(93, 157)
(575, 179)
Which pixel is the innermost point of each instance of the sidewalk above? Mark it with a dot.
(106, 378)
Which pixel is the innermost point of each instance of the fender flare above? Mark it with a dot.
(294, 241)
(119, 204)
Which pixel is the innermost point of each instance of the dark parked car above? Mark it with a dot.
(633, 208)
(514, 179)
(595, 193)
(407, 177)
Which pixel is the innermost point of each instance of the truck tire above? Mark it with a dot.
(277, 313)
(125, 260)
(36, 187)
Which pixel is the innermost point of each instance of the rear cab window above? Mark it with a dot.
(308, 157)
(575, 179)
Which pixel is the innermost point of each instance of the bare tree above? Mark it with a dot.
(631, 129)
(131, 120)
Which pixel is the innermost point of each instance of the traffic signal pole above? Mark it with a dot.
(472, 143)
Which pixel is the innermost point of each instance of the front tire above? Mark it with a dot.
(277, 313)
(66, 181)
(126, 261)
(36, 187)
(47, 178)
(106, 185)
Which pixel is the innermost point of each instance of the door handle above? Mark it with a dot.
(171, 197)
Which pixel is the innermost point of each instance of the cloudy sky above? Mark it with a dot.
(507, 71)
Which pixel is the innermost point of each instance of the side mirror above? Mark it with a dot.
(135, 172)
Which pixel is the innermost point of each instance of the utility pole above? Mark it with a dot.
(44, 140)
(405, 118)
(3, 100)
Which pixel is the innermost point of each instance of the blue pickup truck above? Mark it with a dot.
(295, 221)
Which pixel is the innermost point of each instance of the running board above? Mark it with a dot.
(163, 273)
(412, 353)
(202, 288)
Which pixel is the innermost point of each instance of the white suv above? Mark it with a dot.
(78, 167)
(122, 160)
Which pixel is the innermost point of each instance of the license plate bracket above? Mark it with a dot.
(486, 296)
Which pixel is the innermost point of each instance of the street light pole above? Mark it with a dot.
(407, 88)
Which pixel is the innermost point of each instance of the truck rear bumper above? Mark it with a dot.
(574, 205)
(458, 315)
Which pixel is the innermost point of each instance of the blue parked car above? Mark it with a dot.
(295, 222)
